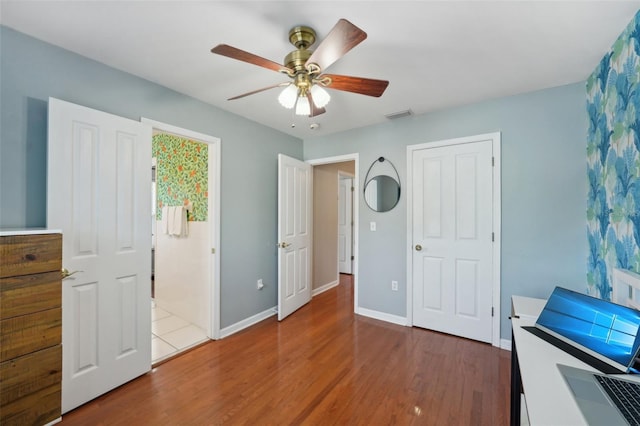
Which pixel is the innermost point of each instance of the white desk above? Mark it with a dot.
(533, 368)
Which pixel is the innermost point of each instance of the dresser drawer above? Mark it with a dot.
(26, 294)
(30, 254)
(38, 408)
(29, 333)
(27, 374)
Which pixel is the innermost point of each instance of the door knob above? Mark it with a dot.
(284, 245)
(418, 247)
(65, 273)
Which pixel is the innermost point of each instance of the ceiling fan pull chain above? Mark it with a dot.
(293, 114)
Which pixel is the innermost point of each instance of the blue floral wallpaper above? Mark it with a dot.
(613, 162)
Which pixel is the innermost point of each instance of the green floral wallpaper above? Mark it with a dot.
(181, 174)
(613, 160)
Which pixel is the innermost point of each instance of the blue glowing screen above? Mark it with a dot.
(606, 328)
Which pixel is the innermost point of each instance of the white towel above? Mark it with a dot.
(184, 221)
(164, 224)
(178, 221)
(172, 221)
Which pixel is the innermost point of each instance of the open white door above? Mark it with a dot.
(345, 223)
(294, 234)
(98, 193)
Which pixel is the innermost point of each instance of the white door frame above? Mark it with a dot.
(496, 142)
(213, 328)
(355, 157)
(344, 175)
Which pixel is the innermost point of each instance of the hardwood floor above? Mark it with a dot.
(323, 365)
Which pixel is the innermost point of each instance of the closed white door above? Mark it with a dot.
(452, 239)
(98, 194)
(294, 234)
(345, 223)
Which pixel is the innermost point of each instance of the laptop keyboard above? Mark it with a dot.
(625, 395)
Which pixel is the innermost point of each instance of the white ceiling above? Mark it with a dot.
(436, 54)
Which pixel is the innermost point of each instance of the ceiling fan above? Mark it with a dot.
(305, 68)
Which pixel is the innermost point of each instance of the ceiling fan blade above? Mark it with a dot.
(241, 55)
(361, 85)
(259, 90)
(314, 110)
(343, 37)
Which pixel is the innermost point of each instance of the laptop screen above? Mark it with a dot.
(603, 328)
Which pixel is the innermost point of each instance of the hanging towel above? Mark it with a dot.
(172, 222)
(178, 224)
(164, 224)
(184, 221)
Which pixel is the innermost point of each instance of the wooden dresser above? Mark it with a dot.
(30, 327)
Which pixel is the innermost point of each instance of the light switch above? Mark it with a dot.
(372, 226)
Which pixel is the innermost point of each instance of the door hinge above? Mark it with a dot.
(213, 251)
(352, 189)
(492, 311)
(493, 236)
(493, 161)
(352, 257)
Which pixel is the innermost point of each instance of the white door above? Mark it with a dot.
(294, 234)
(345, 222)
(452, 239)
(98, 194)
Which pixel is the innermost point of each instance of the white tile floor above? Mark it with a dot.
(171, 334)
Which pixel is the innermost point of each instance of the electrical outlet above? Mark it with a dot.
(394, 285)
(372, 226)
(260, 284)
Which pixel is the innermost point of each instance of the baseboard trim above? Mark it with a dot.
(248, 322)
(505, 344)
(382, 316)
(324, 288)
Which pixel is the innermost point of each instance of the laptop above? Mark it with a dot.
(602, 399)
(606, 336)
(603, 334)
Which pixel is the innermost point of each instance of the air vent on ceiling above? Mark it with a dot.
(399, 114)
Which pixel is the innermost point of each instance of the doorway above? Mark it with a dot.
(326, 238)
(185, 230)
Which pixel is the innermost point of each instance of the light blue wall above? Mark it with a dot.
(31, 71)
(543, 169)
(543, 192)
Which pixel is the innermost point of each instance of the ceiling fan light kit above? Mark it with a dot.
(288, 96)
(306, 91)
(303, 107)
(320, 96)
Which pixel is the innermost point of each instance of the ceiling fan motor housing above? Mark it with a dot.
(301, 37)
(296, 59)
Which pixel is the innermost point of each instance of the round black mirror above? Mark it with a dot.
(381, 191)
